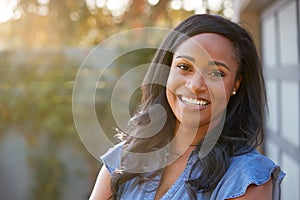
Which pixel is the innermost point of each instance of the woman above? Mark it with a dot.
(205, 91)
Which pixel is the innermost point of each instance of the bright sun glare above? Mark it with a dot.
(7, 10)
(6, 13)
(118, 7)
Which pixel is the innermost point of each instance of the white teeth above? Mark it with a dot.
(192, 101)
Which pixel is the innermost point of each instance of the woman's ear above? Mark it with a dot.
(237, 85)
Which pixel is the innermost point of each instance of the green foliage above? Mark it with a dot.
(36, 98)
(111, 75)
(36, 93)
(49, 176)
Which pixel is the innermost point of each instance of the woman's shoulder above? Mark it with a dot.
(249, 168)
(249, 156)
(252, 162)
(112, 158)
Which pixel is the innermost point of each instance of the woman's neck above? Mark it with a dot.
(187, 137)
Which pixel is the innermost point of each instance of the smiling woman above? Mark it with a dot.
(202, 78)
(214, 97)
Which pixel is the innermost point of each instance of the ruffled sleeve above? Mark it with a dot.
(112, 158)
(244, 170)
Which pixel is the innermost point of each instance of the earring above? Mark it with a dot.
(234, 92)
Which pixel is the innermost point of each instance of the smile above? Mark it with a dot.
(193, 102)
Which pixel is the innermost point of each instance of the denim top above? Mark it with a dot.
(245, 169)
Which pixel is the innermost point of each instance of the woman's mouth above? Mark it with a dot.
(193, 102)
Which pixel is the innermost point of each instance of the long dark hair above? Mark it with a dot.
(244, 122)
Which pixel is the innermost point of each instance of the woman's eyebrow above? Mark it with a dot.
(213, 62)
(186, 57)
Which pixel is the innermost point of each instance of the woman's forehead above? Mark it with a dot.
(209, 45)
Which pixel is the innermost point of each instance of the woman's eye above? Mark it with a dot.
(184, 67)
(217, 73)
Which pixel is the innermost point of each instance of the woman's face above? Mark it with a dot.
(202, 79)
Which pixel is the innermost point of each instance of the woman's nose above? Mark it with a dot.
(196, 83)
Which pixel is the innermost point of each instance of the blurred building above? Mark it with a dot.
(275, 27)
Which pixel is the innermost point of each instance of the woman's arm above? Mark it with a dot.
(260, 192)
(102, 189)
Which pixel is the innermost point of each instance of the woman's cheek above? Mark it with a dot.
(175, 80)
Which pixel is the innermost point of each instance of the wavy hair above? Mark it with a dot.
(244, 121)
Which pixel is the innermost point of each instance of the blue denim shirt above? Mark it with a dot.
(246, 169)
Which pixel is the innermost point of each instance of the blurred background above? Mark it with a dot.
(44, 42)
